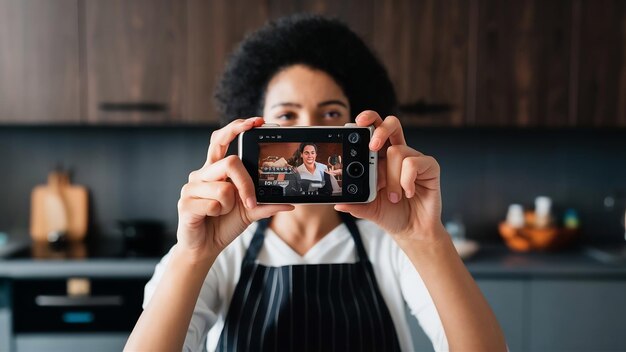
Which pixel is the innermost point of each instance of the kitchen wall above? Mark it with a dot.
(138, 172)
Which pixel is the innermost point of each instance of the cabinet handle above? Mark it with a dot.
(73, 301)
(131, 107)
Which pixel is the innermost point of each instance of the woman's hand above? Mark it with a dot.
(219, 201)
(336, 172)
(408, 204)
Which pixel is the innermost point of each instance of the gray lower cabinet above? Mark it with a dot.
(104, 342)
(554, 314)
(5, 317)
(506, 298)
(577, 315)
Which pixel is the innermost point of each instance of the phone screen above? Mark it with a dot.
(300, 169)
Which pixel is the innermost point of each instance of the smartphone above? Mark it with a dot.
(310, 165)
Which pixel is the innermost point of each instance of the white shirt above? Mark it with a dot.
(397, 279)
(318, 175)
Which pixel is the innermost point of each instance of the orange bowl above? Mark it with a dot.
(531, 238)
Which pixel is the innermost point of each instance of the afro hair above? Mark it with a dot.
(311, 40)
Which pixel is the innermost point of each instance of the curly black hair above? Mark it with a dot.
(312, 40)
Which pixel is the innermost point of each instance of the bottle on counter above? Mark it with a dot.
(543, 217)
(515, 216)
(456, 228)
(570, 219)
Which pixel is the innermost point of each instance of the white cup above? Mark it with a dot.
(515, 216)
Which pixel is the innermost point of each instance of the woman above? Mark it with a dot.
(316, 175)
(311, 277)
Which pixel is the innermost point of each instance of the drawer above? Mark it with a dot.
(100, 305)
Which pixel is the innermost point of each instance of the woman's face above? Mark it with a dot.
(308, 155)
(301, 96)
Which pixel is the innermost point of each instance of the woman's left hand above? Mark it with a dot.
(408, 203)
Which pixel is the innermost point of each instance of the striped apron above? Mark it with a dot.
(325, 307)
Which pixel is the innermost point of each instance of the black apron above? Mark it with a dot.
(324, 307)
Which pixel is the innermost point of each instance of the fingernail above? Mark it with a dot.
(393, 197)
(374, 143)
(409, 194)
(250, 203)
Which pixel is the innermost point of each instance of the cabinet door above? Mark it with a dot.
(213, 35)
(135, 61)
(601, 61)
(357, 14)
(424, 46)
(39, 61)
(522, 71)
(507, 299)
(215, 27)
(5, 316)
(582, 315)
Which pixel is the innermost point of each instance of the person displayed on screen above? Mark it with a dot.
(314, 175)
(324, 277)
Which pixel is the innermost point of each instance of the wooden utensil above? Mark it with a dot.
(59, 206)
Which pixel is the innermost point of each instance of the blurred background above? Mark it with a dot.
(515, 99)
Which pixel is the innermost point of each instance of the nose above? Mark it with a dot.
(307, 118)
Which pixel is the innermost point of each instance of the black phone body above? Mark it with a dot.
(310, 165)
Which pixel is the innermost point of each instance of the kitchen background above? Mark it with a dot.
(137, 173)
(515, 99)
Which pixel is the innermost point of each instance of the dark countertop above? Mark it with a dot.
(491, 261)
(99, 258)
(499, 261)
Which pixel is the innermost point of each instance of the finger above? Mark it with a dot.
(361, 211)
(368, 118)
(221, 191)
(395, 157)
(193, 210)
(220, 139)
(229, 167)
(266, 210)
(390, 130)
(423, 170)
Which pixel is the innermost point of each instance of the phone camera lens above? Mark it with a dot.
(352, 188)
(353, 137)
(355, 169)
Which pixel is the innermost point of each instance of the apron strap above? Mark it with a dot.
(256, 243)
(356, 236)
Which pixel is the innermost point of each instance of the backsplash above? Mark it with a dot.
(137, 173)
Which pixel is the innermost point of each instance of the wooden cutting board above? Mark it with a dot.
(59, 206)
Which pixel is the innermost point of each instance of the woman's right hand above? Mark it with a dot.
(219, 200)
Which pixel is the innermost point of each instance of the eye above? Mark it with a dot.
(333, 114)
(285, 116)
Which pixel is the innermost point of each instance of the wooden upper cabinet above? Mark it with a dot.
(135, 61)
(214, 29)
(424, 46)
(522, 76)
(39, 61)
(357, 14)
(601, 63)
